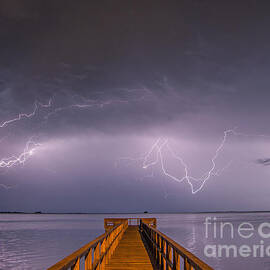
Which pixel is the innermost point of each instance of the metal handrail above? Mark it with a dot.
(166, 252)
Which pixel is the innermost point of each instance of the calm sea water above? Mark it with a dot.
(38, 241)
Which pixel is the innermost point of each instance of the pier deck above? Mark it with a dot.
(130, 252)
(131, 243)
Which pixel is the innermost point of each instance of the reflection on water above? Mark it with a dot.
(38, 241)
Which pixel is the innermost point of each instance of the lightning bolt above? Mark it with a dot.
(161, 144)
(157, 149)
(29, 150)
(95, 103)
(85, 104)
(32, 146)
(21, 116)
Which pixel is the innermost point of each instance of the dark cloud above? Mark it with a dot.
(121, 73)
(18, 10)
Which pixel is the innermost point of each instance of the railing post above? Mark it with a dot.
(112, 243)
(157, 245)
(77, 265)
(163, 244)
(160, 251)
(108, 243)
(154, 245)
(88, 260)
(168, 255)
(152, 241)
(97, 255)
(187, 265)
(102, 251)
(176, 260)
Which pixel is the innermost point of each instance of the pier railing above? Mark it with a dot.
(167, 254)
(95, 254)
(109, 223)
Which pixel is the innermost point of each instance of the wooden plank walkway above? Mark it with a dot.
(130, 252)
(122, 247)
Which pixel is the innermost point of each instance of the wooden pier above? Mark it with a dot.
(131, 243)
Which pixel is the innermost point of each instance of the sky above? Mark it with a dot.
(130, 106)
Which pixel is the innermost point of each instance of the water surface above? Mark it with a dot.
(31, 241)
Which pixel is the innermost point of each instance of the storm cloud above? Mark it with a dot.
(118, 75)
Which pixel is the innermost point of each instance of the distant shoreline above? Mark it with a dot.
(134, 213)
